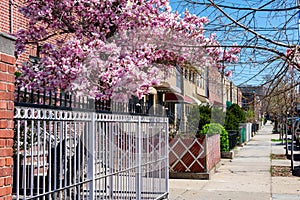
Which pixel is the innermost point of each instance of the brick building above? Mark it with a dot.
(230, 93)
(11, 20)
(7, 78)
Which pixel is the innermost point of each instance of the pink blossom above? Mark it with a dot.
(112, 49)
(228, 73)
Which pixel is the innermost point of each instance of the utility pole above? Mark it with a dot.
(222, 87)
(222, 81)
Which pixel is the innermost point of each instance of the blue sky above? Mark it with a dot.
(250, 70)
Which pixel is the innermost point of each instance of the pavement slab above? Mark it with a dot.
(285, 197)
(221, 195)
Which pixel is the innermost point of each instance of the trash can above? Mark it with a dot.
(232, 136)
(242, 134)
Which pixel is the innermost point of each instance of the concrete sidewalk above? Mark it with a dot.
(245, 177)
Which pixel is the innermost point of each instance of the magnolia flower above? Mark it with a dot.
(228, 73)
(112, 49)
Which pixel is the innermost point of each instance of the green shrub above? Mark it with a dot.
(205, 116)
(234, 116)
(215, 128)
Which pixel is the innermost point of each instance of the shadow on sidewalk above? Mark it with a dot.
(296, 171)
(296, 157)
(296, 147)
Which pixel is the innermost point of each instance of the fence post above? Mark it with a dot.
(7, 79)
(167, 156)
(206, 153)
(91, 156)
(138, 177)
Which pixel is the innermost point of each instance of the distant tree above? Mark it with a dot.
(280, 102)
(250, 116)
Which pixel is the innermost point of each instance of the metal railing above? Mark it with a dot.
(74, 154)
(69, 101)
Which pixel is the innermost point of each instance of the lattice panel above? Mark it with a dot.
(187, 155)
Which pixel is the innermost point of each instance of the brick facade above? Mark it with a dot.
(11, 20)
(4, 16)
(213, 155)
(7, 79)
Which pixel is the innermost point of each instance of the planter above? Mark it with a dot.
(198, 156)
(228, 155)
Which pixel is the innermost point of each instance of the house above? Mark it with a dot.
(232, 93)
(181, 89)
(185, 87)
(222, 86)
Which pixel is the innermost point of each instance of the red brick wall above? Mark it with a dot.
(213, 151)
(4, 16)
(7, 69)
(18, 22)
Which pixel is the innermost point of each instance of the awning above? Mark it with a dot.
(203, 99)
(178, 98)
(196, 101)
(166, 87)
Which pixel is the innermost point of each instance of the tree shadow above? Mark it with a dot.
(296, 157)
(296, 171)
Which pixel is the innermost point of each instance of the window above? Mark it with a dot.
(178, 78)
(191, 76)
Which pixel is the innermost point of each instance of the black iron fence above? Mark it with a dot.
(69, 101)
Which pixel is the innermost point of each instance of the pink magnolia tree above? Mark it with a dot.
(111, 49)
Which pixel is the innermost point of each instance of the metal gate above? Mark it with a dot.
(69, 154)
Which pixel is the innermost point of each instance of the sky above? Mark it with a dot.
(254, 65)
